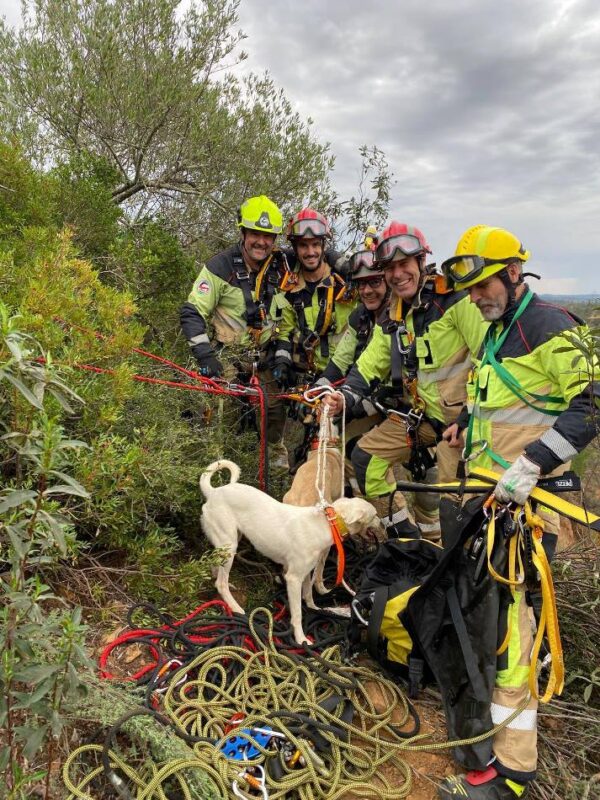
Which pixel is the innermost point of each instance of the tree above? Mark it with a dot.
(370, 205)
(145, 86)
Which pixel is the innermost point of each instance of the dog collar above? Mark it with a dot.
(339, 529)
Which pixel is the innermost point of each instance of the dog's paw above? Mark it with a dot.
(303, 639)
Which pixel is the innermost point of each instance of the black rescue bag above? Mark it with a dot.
(433, 613)
(453, 619)
(389, 582)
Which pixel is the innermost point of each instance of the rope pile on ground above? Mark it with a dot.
(260, 718)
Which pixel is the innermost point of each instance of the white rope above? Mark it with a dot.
(325, 429)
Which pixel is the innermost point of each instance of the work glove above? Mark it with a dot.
(209, 364)
(517, 483)
(283, 374)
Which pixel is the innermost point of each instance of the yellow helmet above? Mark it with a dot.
(260, 214)
(482, 251)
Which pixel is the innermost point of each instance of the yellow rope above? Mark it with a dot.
(272, 681)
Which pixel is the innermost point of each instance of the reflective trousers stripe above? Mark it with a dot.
(525, 721)
(398, 516)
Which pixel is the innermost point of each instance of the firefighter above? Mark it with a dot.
(532, 409)
(424, 350)
(238, 293)
(373, 293)
(319, 301)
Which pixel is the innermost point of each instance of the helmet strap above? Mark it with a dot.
(511, 288)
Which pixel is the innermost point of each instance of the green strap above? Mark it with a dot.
(496, 344)
(491, 346)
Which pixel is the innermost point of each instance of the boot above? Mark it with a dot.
(482, 785)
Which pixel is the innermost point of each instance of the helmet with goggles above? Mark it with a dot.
(400, 241)
(481, 252)
(260, 214)
(308, 224)
(362, 264)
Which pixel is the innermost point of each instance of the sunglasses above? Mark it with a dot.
(373, 283)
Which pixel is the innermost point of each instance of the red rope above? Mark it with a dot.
(154, 633)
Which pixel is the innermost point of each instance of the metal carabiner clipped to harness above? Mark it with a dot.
(483, 444)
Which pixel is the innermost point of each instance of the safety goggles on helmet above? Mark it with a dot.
(374, 282)
(309, 228)
(364, 259)
(405, 244)
(464, 269)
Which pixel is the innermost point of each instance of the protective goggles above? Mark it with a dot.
(312, 228)
(462, 269)
(406, 244)
(373, 283)
(364, 258)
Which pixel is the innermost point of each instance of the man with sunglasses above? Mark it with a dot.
(318, 303)
(532, 408)
(424, 349)
(373, 293)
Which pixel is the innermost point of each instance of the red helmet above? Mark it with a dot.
(308, 224)
(399, 238)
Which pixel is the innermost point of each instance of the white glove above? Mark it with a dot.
(517, 482)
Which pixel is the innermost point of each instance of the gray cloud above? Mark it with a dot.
(488, 112)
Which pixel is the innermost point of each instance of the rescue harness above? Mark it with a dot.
(492, 343)
(404, 362)
(328, 291)
(259, 288)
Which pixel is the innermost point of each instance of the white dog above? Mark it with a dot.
(290, 535)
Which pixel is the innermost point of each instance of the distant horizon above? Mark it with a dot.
(591, 295)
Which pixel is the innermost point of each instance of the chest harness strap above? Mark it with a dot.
(492, 343)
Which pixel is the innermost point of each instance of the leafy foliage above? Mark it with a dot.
(41, 649)
(145, 88)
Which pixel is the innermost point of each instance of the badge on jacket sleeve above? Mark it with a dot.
(203, 287)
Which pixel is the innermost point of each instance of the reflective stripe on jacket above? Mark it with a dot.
(445, 332)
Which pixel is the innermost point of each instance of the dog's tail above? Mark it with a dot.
(205, 485)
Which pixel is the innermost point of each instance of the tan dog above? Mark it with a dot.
(293, 536)
(303, 491)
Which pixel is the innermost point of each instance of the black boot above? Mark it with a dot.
(484, 785)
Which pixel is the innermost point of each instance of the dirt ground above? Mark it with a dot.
(428, 768)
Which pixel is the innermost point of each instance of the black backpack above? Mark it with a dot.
(441, 607)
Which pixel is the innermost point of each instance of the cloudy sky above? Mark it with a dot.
(488, 111)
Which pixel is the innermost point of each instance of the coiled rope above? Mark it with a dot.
(329, 738)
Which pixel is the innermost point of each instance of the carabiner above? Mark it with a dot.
(402, 350)
(472, 456)
(166, 667)
(355, 603)
(259, 784)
